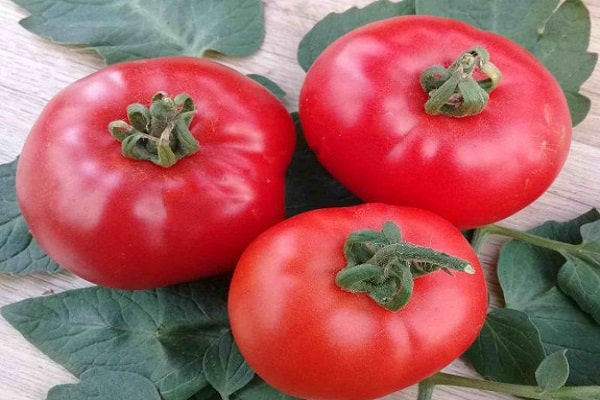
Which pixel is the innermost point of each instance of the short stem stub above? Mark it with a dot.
(159, 134)
(384, 266)
(454, 91)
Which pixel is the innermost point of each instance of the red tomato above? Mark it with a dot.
(131, 224)
(362, 111)
(307, 337)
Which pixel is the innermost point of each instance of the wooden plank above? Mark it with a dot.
(33, 70)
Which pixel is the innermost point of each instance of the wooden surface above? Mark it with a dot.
(32, 70)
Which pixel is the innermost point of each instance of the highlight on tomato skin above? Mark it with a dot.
(390, 135)
(206, 150)
(309, 338)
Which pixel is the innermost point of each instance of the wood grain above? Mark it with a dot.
(33, 69)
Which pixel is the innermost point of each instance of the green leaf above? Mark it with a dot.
(19, 252)
(225, 368)
(207, 393)
(553, 372)
(159, 334)
(100, 384)
(562, 48)
(259, 390)
(563, 325)
(558, 37)
(121, 30)
(579, 105)
(508, 348)
(526, 272)
(269, 84)
(308, 184)
(335, 25)
(528, 276)
(579, 277)
(516, 20)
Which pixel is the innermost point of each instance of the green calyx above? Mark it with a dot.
(384, 266)
(159, 134)
(454, 91)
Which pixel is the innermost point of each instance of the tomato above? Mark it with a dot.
(307, 337)
(362, 111)
(132, 224)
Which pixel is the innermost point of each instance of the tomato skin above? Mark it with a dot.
(362, 112)
(308, 338)
(131, 224)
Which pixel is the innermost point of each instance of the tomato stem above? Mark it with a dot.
(527, 391)
(384, 266)
(454, 91)
(160, 134)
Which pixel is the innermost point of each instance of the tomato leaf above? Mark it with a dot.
(259, 390)
(537, 269)
(562, 48)
(122, 30)
(19, 252)
(335, 25)
(207, 393)
(159, 334)
(528, 276)
(308, 184)
(508, 348)
(553, 371)
(225, 368)
(101, 384)
(579, 277)
(558, 37)
(518, 21)
(269, 84)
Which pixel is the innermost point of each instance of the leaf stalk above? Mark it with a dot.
(481, 234)
(527, 391)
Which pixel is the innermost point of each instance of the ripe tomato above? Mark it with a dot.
(307, 337)
(362, 111)
(132, 224)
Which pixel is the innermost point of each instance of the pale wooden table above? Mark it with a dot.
(32, 70)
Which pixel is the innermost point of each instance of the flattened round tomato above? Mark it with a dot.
(362, 111)
(132, 224)
(307, 337)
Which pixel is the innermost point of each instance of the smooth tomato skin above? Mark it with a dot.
(134, 225)
(308, 338)
(362, 112)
